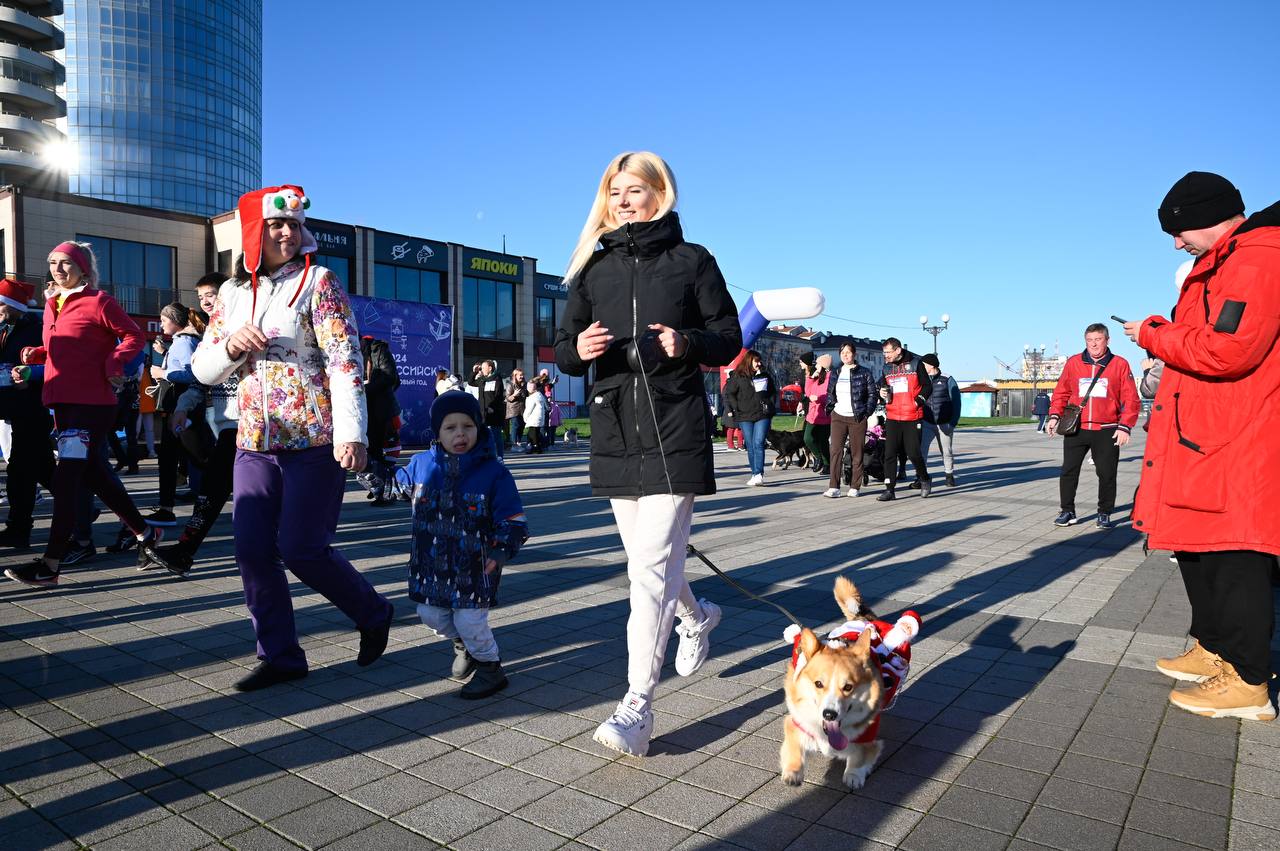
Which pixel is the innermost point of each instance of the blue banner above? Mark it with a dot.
(421, 340)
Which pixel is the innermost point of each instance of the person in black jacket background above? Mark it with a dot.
(646, 309)
(752, 396)
(493, 399)
(381, 381)
(31, 455)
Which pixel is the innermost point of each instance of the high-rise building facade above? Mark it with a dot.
(30, 75)
(164, 101)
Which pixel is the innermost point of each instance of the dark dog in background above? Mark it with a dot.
(789, 445)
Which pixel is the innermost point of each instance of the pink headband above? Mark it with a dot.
(78, 256)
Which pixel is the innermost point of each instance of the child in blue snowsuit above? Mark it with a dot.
(468, 521)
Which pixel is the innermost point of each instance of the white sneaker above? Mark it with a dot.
(853, 492)
(629, 727)
(694, 646)
(831, 493)
(756, 481)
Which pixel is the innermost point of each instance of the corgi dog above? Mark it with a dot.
(837, 688)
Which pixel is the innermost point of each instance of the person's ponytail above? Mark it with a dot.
(194, 320)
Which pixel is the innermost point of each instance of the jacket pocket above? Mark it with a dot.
(606, 422)
(1195, 479)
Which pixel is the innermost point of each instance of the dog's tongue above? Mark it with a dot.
(835, 738)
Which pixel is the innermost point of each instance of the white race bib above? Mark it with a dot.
(761, 384)
(898, 383)
(73, 444)
(490, 386)
(1099, 389)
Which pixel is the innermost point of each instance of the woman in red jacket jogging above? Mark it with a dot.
(88, 339)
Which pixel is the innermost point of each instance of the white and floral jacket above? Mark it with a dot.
(306, 389)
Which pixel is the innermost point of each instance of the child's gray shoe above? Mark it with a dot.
(488, 680)
(463, 664)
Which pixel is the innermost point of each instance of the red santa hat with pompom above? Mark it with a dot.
(16, 294)
(260, 206)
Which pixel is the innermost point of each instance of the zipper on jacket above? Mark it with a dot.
(635, 341)
(1177, 424)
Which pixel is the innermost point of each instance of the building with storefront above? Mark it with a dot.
(146, 258)
(163, 101)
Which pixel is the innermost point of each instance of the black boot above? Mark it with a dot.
(951, 480)
(488, 679)
(887, 496)
(373, 641)
(266, 675)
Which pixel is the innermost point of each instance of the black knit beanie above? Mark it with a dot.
(932, 360)
(1199, 200)
(454, 402)
(806, 358)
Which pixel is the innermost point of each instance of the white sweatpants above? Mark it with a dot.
(654, 532)
(471, 625)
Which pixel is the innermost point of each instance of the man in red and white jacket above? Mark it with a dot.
(1106, 417)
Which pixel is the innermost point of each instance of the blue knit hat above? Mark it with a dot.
(454, 402)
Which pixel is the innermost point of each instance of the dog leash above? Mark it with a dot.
(692, 550)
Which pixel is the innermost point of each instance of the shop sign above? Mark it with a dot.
(482, 264)
(413, 251)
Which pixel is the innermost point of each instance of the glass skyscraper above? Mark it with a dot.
(164, 101)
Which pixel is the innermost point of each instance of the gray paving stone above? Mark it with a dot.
(346, 773)
(1185, 792)
(1099, 772)
(685, 805)
(218, 819)
(274, 798)
(633, 831)
(1180, 823)
(323, 822)
(455, 769)
(259, 839)
(171, 833)
(1136, 840)
(383, 836)
(448, 817)
(1084, 799)
(1021, 755)
(507, 789)
(509, 833)
(871, 819)
(1256, 809)
(1252, 837)
(1111, 748)
(749, 826)
(395, 794)
(934, 832)
(821, 838)
(1194, 766)
(1068, 831)
(981, 809)
(568, 811)
(807, 802)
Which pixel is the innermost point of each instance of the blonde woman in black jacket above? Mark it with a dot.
(646, 309)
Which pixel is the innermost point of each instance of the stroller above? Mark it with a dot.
(872, 457)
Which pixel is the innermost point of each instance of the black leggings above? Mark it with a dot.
(82, 430)
(902, 436)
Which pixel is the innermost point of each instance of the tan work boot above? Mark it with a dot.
(1194, 666)
(1225, 696)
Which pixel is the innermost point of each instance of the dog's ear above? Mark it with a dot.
(863, 643)
(809, 643)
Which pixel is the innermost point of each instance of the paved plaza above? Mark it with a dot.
(1033, 716)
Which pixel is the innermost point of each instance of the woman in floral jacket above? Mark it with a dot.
(290, 337)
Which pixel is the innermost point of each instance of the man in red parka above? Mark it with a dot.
(1212, 463)
(1107, 415)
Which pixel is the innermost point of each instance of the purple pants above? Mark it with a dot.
(286, 510)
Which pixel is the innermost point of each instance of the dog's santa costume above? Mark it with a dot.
(891, 649)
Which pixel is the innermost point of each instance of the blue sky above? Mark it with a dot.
(998, 161)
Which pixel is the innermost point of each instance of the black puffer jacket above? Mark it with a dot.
(671, 282)
(748, 404)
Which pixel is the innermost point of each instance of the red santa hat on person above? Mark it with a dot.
(16, 294)
(256, 209)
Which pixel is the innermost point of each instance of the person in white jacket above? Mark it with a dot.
(284, 327)
(535, 417)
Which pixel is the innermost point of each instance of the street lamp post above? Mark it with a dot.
(935, 330)
(1033, 360)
